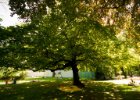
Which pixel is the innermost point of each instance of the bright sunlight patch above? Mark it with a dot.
(69, 88)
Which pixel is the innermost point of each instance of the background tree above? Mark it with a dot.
(10, 74)
(11, 47)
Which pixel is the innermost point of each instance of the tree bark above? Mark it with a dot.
(76, 80)
(124, 72)
(53, 73)
(6, 82)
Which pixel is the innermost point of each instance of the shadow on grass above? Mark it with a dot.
(63, 90)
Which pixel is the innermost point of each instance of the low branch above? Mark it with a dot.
(61, 68)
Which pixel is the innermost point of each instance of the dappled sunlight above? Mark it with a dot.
(20, 98)
(126, 88)
(89, 82)
(27, 87)
(64, 90)
(67, 82)
(112, 96)
(8, 87)
(69, 88)
(44, 85)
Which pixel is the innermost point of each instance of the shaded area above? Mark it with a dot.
(62, 90)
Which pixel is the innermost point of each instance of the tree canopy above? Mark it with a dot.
(122, 15)
(77, 34)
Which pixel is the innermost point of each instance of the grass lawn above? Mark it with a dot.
(56, 89)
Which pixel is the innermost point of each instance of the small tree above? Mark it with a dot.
(8, 74)
(20, 75)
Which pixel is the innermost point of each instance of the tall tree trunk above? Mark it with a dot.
(76, 80)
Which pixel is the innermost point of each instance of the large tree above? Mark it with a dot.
(72, 33)
(57, 44)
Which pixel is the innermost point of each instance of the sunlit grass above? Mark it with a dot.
(59, 89)
(127, 88)
(69, 88)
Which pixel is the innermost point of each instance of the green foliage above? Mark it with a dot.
(59, 42)
(11, 46)
(93, 34)
(55, 40)
(105, 72)
(10, 74)
(7, 73)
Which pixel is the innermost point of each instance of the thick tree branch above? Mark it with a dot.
(60, 68)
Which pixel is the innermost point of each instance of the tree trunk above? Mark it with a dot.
(124, 72)
(53, 73)
(14, 81)
(6, 82)
(76, 80)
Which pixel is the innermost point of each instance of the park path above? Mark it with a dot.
(121, 81)
(125, 81)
